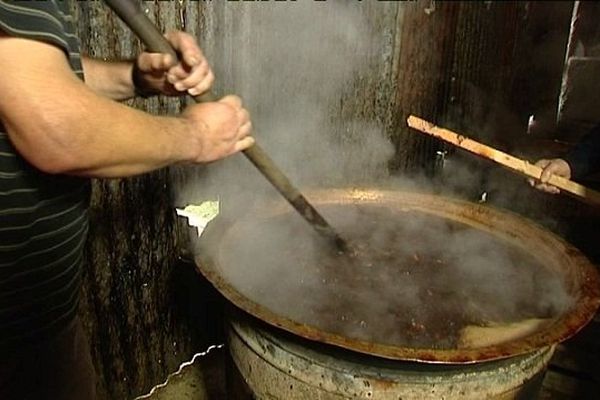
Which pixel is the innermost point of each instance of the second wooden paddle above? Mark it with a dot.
(513, 163)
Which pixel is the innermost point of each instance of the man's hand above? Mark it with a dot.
(556, 166)
(155, 73)
(221, 128)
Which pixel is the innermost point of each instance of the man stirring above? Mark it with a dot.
(60, 124)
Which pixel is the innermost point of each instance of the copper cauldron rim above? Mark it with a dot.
(585, 285)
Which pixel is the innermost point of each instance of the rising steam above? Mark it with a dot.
(277, 56)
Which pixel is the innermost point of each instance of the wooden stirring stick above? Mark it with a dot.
(513, 163)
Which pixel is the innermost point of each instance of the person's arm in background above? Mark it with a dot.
(582, 160)
(61, 125)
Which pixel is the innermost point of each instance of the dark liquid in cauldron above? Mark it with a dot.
(416, 280)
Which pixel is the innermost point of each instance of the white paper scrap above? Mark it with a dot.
(200, 215)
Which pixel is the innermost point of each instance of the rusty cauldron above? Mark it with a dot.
(288, 343)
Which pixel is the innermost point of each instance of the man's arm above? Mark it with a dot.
(152, 73)
(61, 126)
(112, 79)
(584, 158)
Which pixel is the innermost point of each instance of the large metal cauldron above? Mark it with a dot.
(271, 364)
(524, 356)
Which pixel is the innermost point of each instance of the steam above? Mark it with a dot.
(278, 70)
(296, 64)
(413, 272)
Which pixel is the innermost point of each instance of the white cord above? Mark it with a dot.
(181, 367)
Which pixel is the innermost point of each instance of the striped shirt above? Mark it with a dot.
(43, 218)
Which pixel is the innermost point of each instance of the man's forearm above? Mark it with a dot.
(111, 79)
(97, 137)
(60, 125)
(75, 131)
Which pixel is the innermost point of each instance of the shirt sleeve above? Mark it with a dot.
(584, 158)
(38, 20)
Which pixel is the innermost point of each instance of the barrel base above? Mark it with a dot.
(275, 365)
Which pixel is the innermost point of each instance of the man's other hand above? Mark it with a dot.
(155, 73)
(556, 166)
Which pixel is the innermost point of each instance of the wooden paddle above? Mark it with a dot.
(512, 163)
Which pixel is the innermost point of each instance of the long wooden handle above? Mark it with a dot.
(131, 13)
(513, 163)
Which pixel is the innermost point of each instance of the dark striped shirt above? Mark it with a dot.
(43, 218)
